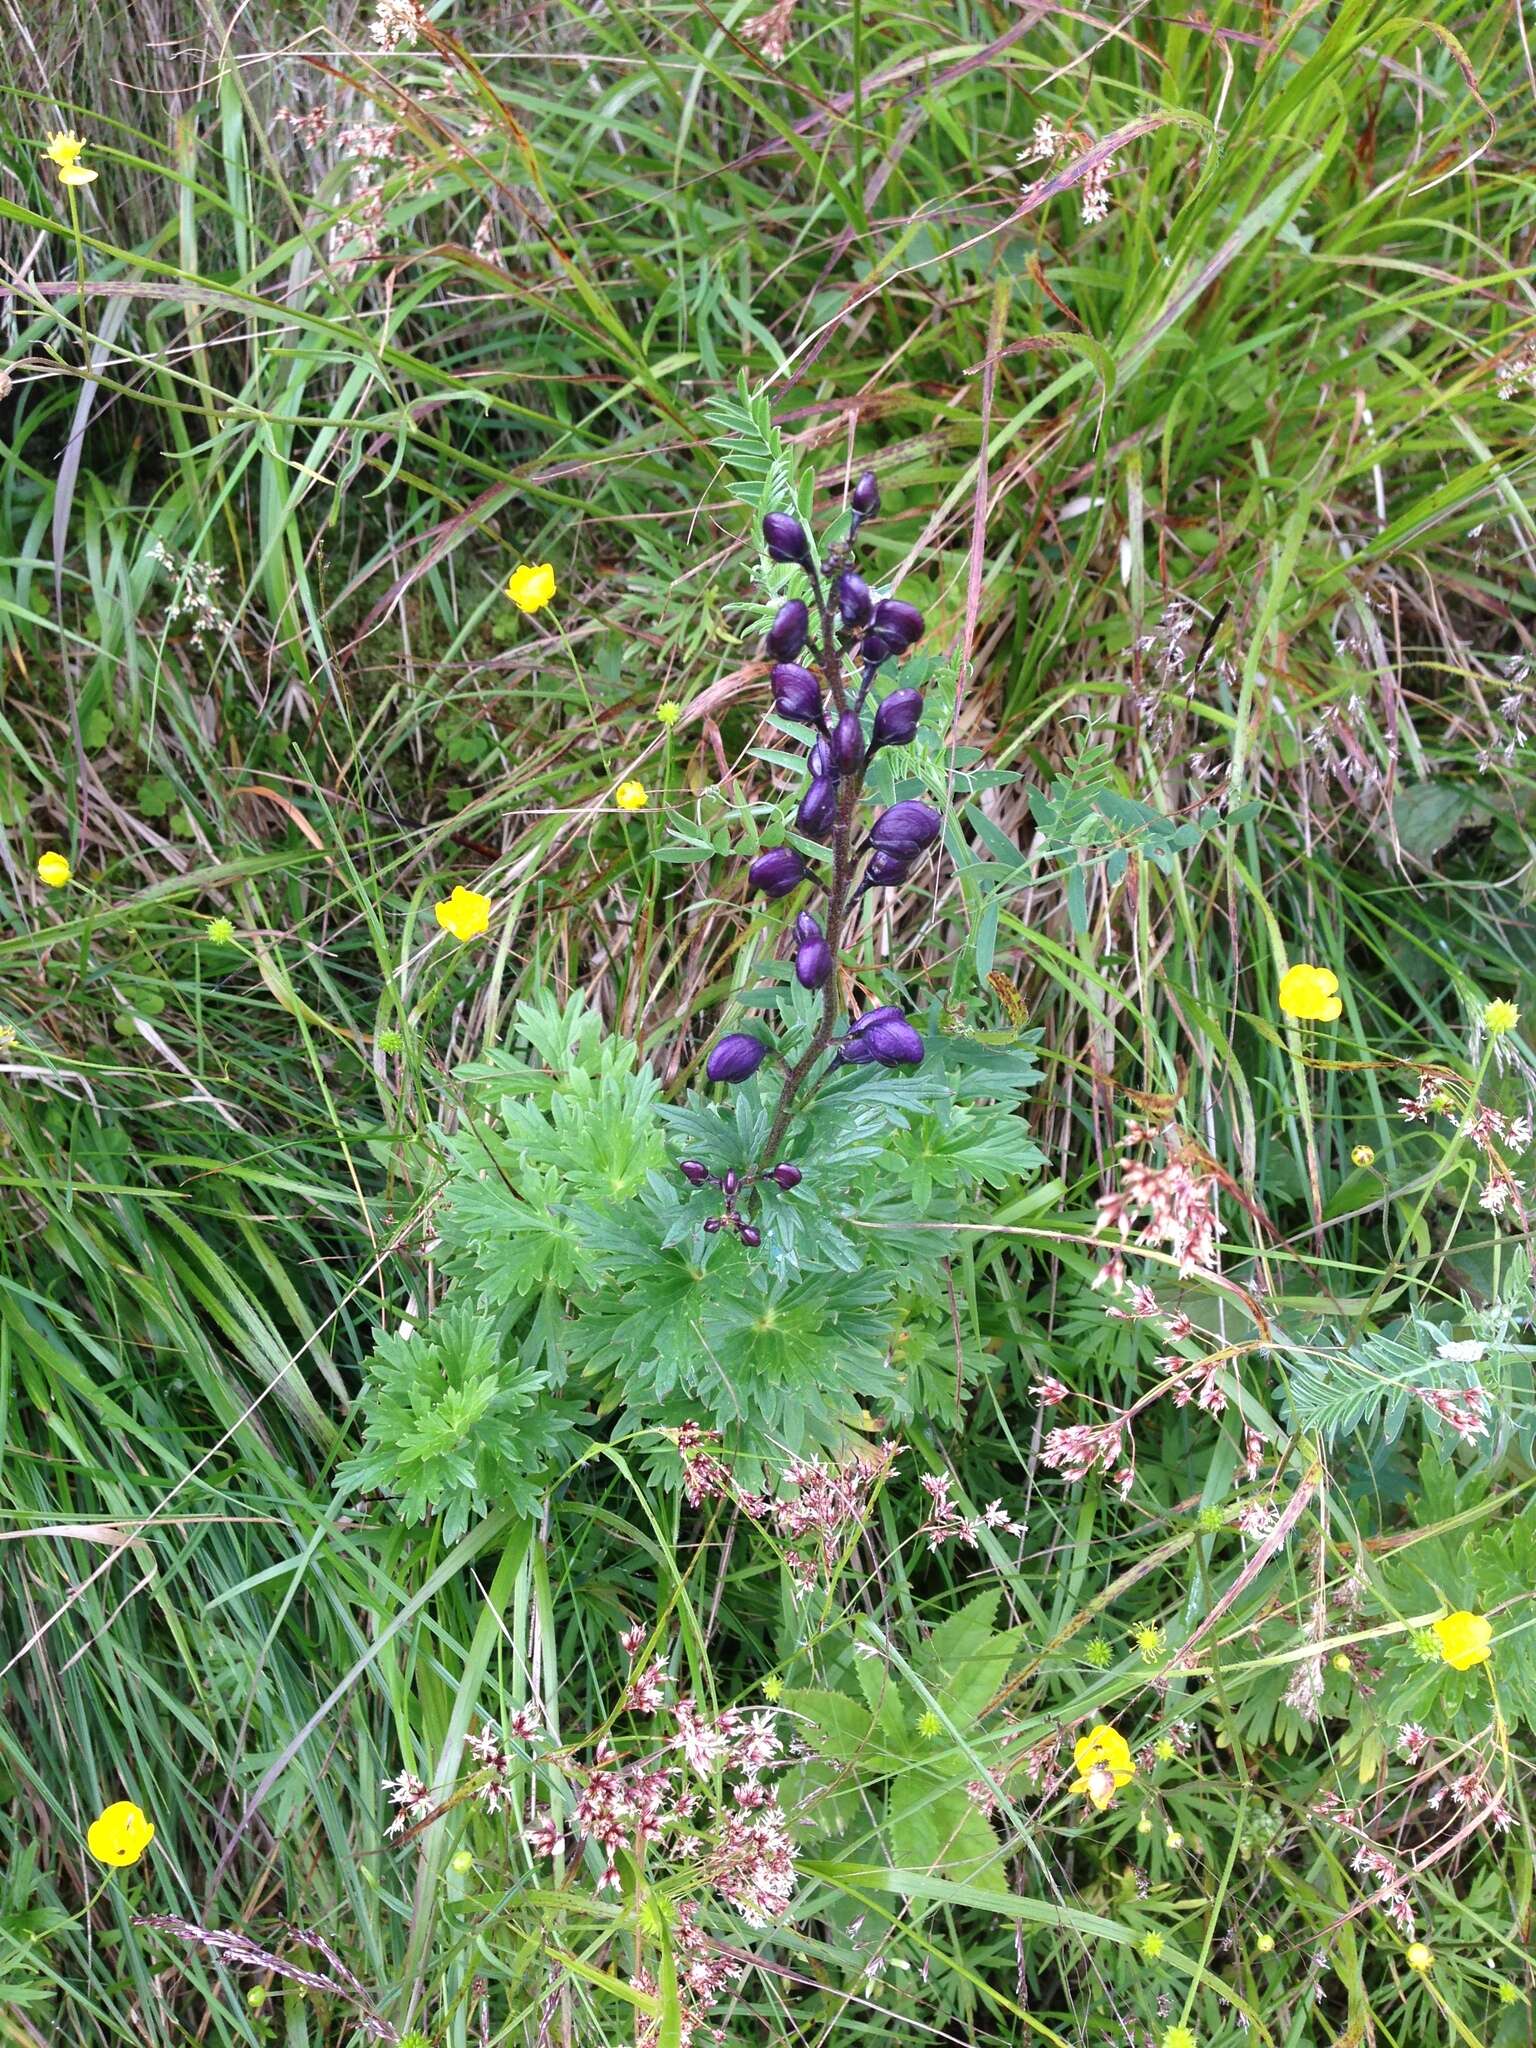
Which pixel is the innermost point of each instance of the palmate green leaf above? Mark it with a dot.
(835, 1726)
(937, 1829)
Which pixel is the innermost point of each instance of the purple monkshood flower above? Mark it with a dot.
(785, 539)
(893, 1042)
(860, 1025)
(866, 495)
(906, 828)
(851, 595)
(796, 693)
(875, 648)
(847, 744)
(693, 1170)
(898, 623)
(814, 962)
(791, 625)
(896, 720)
(778, 871)
(736, 1057)
(819, 760)
(887, 870)
(786, 1175)
(818, 807)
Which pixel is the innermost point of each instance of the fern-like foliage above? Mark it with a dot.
(752, 447)
(453, 1423)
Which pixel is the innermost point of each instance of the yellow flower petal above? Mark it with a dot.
(1464, 1639)
(76, 174)
(531, 585)
(53, 870)
(466, 914)
(119, 1835)
(630, 796)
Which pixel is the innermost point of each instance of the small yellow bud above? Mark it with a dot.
(1420, 1956)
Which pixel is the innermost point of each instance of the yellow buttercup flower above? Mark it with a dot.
(63, 152)
(668, 712)
(53, 870)
(466, 914)
(120, 1835)
(1103, 1760)
(1463, 1639)
(531, 585)
(1363, 1155)
(1265, 1944)
(1420, 1956)
(631, 796)
(1500, 1017)
(1311, 993)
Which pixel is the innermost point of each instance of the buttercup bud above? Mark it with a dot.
(894, 1043)
(785, 538)
(737, 1056)
(787, 634)
(898, 622)
(694, 1170)
(847, 745)
(777, 871)
(796, 693)
(865, 498)
(896, 721)
(787, 1176)
(851, 595)
(818, 807)
(906, 828)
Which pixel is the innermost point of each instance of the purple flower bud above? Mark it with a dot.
(896, 720)
(886, 870)
(866, 495)
(818, 807)
(777, 871)
(731, 1182)
(714, 1223)
(813, 962)
(880, 1016)
(851, 595)
(694, 1170)
(875, 648)
(735, 1057)
(796, 693)
(853, 1052)
(751, 1237)
(785, 538)
(787, 634)
(906, 828)
(819, 760)
(899, 623)
(786, 1175)
(893, 1042)
(847, 745)
(806, 926)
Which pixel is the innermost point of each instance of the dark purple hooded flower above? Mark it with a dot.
(906, 828)
(777, 871)
(893, 1042)
(787, 634)
(896, 720)
(785, 538)
(866, 495)
(818, 807)
(897, 622)
(736, 1057)
(847, 746)
(796, 693)
(851, 595)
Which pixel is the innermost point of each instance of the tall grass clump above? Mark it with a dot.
(1004, 1512)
